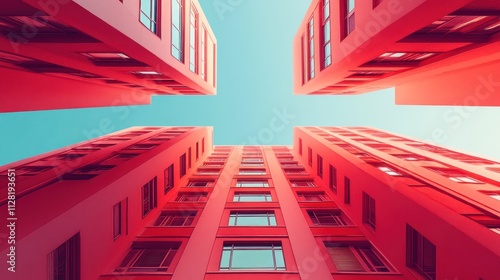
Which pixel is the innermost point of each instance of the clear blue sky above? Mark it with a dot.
(255, 82)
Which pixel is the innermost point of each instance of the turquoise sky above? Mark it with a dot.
(254, 88)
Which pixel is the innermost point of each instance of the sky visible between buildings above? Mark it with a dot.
(255, 104)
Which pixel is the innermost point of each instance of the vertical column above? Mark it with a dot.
(311, 264)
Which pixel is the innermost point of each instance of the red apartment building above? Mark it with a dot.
(164, 203)
(433, 52)
(58, 54)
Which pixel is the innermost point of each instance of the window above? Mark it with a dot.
(203, 54)
(389, 171)
(149, 15)
(168, 176)
(117, 220)
(455, 175)
(208, 172)
(312, 197)
(319, 161)
(176, 29)
(494, 195)
(64, 261)
(300, 146)
(252, 172)
(149, 257)
(252, 219)
(310, 45)
(356, 257)
(295, 171)
(193, 40)
(252, 164)
(252, 256)
(368, 210)
(347, 190)
(200, 184)
(175, 219)
(182, 165)
(148, 197)
(252, 159)
(203, 146)
(189, 157)
(326, 50)
(252, 197)
(302, 183)
(309, 156)
(349, 19)
(191, 197)
(326, 218)
(332, 183)
(420, 254)
(252, 184)
(197, 150)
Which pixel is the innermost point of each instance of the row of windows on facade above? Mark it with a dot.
(347, 256)
(490, 221)
(150, 18)
(455, 175)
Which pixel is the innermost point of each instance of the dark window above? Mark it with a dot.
(326, 218)
(319, 161)
(177, 30)
(182, 165)
(168, 178)
(312, 197)
(300, 146)
(349, 16)
(64, 262)
(356, 257)
(189, 157)
(203, 146)
(175, 219)
(368, 210)
(252, 184)
(309, 156)
(332, 183)
(347, 190)
(149, 15)
(302, 183)
(149, 257)
(148, 197)
(117, 219)
(420, 254)
(197, 150)
(252, 256)
(191, 197)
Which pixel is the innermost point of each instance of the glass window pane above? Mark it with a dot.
(226, 256)
(350, 6)
(253, 259)
(176, 38)
(280, 260)
(176, 20)
(146, 6)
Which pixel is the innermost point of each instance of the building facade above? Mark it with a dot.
(342, 203)
(78, 53)
(432, 52)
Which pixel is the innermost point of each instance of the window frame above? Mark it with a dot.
(369, 211)
(326, 43)
(71, 253)
(140, 249)
(154, 23)
(413, 259)
(193, 46)
(236, 215)
(149, 201)
(274, 247)
(179, 28)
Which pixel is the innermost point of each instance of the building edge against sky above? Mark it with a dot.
(342, 203)
(432, 52)
(79, 54)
